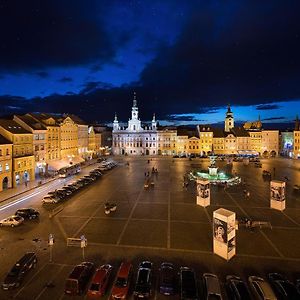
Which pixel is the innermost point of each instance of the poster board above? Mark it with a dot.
(224, 239)
(277, 194)
(203, 192)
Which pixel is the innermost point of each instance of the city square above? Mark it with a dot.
(162, 223)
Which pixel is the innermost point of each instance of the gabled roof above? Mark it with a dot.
(239, 132)
(218, 133)
(4, 141)
(76, 119)
(12, 126)
(31, 122)
(43, 117)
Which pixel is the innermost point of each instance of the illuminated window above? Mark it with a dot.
(0, 168)
(6, 167)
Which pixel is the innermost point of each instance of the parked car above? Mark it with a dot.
(99, 282)
(236, 288)
(261, 289)
(167, 279)
(143, 282)
(283, 288)
(298, 285)
(16, 275)
(212, 289)
(27, 213)
(12, 221)
(121, 285)
(50, 199)
(188, 284)
(79, 278)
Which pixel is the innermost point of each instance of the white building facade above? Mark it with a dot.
(135, 139)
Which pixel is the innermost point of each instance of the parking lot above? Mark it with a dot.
(162, 223)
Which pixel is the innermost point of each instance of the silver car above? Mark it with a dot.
(261, 289)
(12, 221)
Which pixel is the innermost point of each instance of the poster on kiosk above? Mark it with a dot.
(203, 192)
(224, 241)
(277, 194)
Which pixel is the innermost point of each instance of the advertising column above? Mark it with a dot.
(203, 192)
(224, 242)
(277, 194)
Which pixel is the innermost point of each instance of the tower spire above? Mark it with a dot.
(116, 117)
(153, 117)
(297, 125)
(134, 100)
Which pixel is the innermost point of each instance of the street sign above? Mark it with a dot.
(51, 239)
(83, 241)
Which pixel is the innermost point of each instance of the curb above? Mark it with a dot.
(32, 188)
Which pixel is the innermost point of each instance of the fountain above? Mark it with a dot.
(213, 175)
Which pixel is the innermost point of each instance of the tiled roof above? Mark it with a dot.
(239, 132)
(31, 122)
(12, 126)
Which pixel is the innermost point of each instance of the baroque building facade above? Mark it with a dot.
(136, 139)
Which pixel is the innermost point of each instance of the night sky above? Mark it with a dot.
(185, 59)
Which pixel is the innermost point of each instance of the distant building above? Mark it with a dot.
(23, 162)
(136, 139)
(5, 163)
(39, 132)
(286, 147)
(296, 152)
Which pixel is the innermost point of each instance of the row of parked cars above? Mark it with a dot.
(171, 282)
(95, 282)
(19, 217)
(68, 190)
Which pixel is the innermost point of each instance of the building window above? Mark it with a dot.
(0, 168)
(6, 167)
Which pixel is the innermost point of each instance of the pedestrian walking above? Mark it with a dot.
(26, 183)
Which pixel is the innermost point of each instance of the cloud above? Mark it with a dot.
(52, 33)
(65, 79)
(267, 106)
(229, 53)
(42, 74)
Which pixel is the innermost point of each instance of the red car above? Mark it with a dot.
(122, 282)
(99, 282)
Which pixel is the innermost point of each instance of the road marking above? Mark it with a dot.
(18, 201)
(262, 233)
(88, 220)
(32, 278)
(61, 228)
(290, 218)
(169, 223)
(51, 279)
(284, 258)
(130, 216)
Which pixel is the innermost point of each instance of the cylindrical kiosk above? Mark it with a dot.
(224, 242)
(277, 194)
(203, 192)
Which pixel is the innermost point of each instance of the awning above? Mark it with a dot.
(63, 163)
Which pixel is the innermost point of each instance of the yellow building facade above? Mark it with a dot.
(69, 138)
(166, 141)
(22, 151)
(270, 142)
(5, 163)
(296, 144)
(52, 135)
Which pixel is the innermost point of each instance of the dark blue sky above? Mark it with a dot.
(185, 59)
